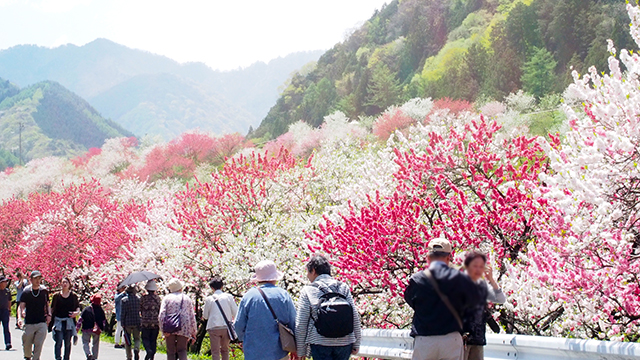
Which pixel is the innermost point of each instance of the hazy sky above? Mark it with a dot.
(223, 34)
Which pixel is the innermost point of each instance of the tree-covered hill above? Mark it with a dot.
(111, 75)
(475, 50)
(47, 119)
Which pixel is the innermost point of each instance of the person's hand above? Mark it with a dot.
(293, 356)
(165, 335)
(20, 323)
(354, 350)
(73, 314)
(488, 272)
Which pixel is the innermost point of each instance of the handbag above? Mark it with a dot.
(287, 338)
(171, 323)
(233, 336)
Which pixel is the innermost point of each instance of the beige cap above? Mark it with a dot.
(441, 245)
(174, 285)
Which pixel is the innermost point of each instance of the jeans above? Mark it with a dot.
(177, 344)
(32, 340)
(219, 344)
(87, 338)
(320, 352)
(150, 341)
(60, 337)
(4, 318)
(134, 332)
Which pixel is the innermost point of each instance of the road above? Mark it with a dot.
(107, 351)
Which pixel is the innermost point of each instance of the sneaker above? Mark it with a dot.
(8, 347)
(118, 346)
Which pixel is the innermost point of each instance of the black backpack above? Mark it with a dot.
(334, 314)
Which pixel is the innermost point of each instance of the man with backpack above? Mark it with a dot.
(439, 296)
(327, 323)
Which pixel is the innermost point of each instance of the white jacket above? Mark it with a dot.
(212, 314)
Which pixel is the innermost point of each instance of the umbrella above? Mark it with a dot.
(139, 276)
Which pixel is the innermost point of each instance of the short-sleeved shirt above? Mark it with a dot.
(61, 306)
(5, 299)
(35, 304)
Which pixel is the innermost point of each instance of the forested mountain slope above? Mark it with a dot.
(476, 50)
(46, 119)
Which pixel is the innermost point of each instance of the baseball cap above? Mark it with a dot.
(440, 245)
(36, 273)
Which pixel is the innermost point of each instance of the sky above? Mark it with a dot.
(223, 34)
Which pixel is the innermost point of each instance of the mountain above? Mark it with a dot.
(47, 119)
(474, 50)
(169, 105)
(110, 75)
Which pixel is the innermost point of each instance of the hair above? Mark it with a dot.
(320, 264)
(216, 282)
(68, 280)
(472, 255)
(18, 273)
(439, 254)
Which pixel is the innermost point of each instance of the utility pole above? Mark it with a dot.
(20, 127)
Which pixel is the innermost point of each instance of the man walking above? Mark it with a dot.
(216, 322)
(131, 321)
(35, 310)
(255, 324)
(149, 325)
(329, 335)
(5, 310)
(439, 295)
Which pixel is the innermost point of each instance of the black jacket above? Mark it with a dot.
(432, 317)
(91, 315)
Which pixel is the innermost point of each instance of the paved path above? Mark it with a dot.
(107, 351)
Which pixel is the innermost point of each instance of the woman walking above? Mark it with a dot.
(65, 307)
(177, 321)
(475, 318)
(93, 322)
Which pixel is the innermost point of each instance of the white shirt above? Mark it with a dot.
(212, 313)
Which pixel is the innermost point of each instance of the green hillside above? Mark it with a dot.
(460, 49)
(50, 120)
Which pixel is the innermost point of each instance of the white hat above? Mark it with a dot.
(151, 285)
(266, 271)
(174, 285)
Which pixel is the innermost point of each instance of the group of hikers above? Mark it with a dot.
(449, 321)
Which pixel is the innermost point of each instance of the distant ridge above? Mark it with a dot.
(107, 75)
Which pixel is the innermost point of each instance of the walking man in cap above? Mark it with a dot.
(255, 324)
(35, 310)
(130, 316)
(5, 310)
(439, 295)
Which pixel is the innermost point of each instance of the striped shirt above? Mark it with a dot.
(306, 333)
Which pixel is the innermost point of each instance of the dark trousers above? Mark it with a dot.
(62, 337)
(149, 341)
(319, 352)
(4, 318)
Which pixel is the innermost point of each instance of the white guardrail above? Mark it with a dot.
(397, 344)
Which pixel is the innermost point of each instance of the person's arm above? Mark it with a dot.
(161, 314)
(495, 294)
(21, 313)
(302, 322)
(54, 303)
(191, 315)
(357, 326)
(241, 319)
(124, 304)
(233, 306)
(409, 293)
(207, 308)
(76, 305)
(47, 309)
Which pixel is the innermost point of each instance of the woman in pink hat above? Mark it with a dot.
(255, 324)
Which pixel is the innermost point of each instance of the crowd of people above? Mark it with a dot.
(449, 322)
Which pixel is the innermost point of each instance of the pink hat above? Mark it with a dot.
(266, 271)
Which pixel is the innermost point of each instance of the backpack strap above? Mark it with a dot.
(444, 298)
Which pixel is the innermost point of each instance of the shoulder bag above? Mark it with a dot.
(287, 338)
(230, 328)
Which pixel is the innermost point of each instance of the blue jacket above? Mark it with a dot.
(257, 328)
(118, 301)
